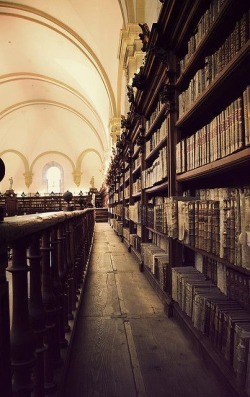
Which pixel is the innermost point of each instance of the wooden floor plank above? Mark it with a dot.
(101, 298)
(168, 363)
(100, 365)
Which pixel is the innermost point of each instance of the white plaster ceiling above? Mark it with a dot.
(58, 75)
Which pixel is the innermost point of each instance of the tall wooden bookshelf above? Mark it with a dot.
(180, 180)
(35, 203)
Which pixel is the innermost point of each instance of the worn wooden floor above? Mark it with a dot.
(124, 345)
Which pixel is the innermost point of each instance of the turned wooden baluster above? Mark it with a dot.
(57, 289)
(21, 335)
(50, 312)
(78, 239)
(74, 241)
(37, 313)
(70, 275)
(88, 235)
(63, 296)
(5, 367)
(65, 278)
(84, 245)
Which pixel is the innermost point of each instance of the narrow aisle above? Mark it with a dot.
(124, 345)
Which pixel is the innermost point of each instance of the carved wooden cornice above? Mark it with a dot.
(130, 94)
(139, 80)
(144, 36)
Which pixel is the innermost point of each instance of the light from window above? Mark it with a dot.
(54, 180)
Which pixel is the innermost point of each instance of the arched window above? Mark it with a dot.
(54, 180)
(53, 177)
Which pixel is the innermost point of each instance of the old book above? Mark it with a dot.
(244, 237)
(241, 361)
(246, 114)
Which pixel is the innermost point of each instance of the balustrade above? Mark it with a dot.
(50, 255)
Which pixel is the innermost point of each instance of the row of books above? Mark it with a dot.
(222, 320)
(135, 212)
(115, 197)
(157, 171)
(225, 134)
(155, 217)
(213, 65)
(232, 282)
(163, 273)
(154, 115)
(117, 226)
(137, 162)
(126, 212)
(125, 233)
(150, 252)
(127, 192)
(135, 242)
(118, 209)
(219, 193)
(218, 227)
(156, 138)
(202, 28)
(136, 186)
(162, 216)
(229, 49)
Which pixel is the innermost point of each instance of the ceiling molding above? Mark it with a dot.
(52, 152)
(38, 102)
(75, 40)
(83, 154)
(39, 77)
(19, 154)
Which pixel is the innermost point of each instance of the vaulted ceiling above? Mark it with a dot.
(60, 78)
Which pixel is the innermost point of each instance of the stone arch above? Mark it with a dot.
(52, 152)
(27, 172)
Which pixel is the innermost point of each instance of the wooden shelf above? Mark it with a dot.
(221, 92)
(156, 232)
(136, 195)
(154, 153)
(239, 269)
(158, 121)
(210, 353)
(207, 41)
(136, 170)
(157, 188)
(234, 160)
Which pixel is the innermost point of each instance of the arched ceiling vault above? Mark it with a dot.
(58, 75)
(63, 77)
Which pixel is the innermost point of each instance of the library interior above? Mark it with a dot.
(125, 198)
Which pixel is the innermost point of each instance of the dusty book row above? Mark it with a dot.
(204, 25)
(223, 320)
(227, 133)
(214, 64)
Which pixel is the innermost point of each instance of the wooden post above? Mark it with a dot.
(5, 366)
(21, 336)
(37, 313)
(50, 311)
(65, 278)
(62, 276)
(70, 276)
(57, 359)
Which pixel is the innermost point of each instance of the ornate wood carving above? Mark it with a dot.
(144, 36)
(139, 80)
(130, 94)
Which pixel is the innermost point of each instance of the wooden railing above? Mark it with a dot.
(47, 257)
